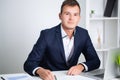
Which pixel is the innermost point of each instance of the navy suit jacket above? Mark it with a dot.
(48, 52)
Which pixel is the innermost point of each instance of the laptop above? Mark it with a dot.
(111, 67)
(111, 71)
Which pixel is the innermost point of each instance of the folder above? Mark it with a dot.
(109, 8)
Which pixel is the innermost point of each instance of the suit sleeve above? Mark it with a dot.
(36, 55)
(92, 59)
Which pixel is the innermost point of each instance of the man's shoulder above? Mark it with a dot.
(52, 29)
(80, 29)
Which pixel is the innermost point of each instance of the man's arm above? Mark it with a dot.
(92, 59)
(35, 57)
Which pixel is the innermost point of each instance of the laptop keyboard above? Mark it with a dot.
(100, 75)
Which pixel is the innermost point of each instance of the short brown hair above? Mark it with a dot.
(70, 3)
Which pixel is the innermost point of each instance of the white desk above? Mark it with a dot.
(61, 75)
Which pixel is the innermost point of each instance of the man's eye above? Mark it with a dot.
(76, 14)
(67, 13)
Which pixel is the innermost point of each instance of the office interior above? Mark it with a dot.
(22, 20)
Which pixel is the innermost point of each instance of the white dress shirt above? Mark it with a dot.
(68, 44)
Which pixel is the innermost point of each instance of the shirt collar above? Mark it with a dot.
(64, 33)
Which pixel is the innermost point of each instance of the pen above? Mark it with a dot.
(2, 78)
(55, 77)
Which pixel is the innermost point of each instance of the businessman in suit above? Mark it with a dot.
(59, 48)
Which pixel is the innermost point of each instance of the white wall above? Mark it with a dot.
(20, 24)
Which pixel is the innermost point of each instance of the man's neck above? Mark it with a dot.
(69, 33)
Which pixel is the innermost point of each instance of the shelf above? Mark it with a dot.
(107, 27)
(100, 50)
(104, 31)
(105, 49)
(104, 18)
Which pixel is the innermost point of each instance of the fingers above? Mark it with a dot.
(70, 71)
(48, 75)
(75, 70)
(45, 74)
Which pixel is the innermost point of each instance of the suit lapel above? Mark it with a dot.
(76, 44)
(76, 40)
(60, 42)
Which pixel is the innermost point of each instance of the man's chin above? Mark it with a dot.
(71, 28)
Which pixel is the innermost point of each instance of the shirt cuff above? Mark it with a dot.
(85, 66)
(35, 70)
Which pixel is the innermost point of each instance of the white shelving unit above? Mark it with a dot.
(104, 31)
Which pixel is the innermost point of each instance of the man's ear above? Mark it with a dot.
(60, 16)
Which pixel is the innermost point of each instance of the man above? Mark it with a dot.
(59, 48)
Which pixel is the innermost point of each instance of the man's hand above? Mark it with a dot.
(75, 70)
(45, 74)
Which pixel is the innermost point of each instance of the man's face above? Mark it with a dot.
(70, 17)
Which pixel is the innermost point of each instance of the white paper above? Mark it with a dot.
(63, 76)
(19, 76)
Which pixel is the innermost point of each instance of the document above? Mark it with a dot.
(74, 78)
(19, 76)
(62, 75)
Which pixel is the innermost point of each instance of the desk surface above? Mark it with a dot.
(60, 75)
